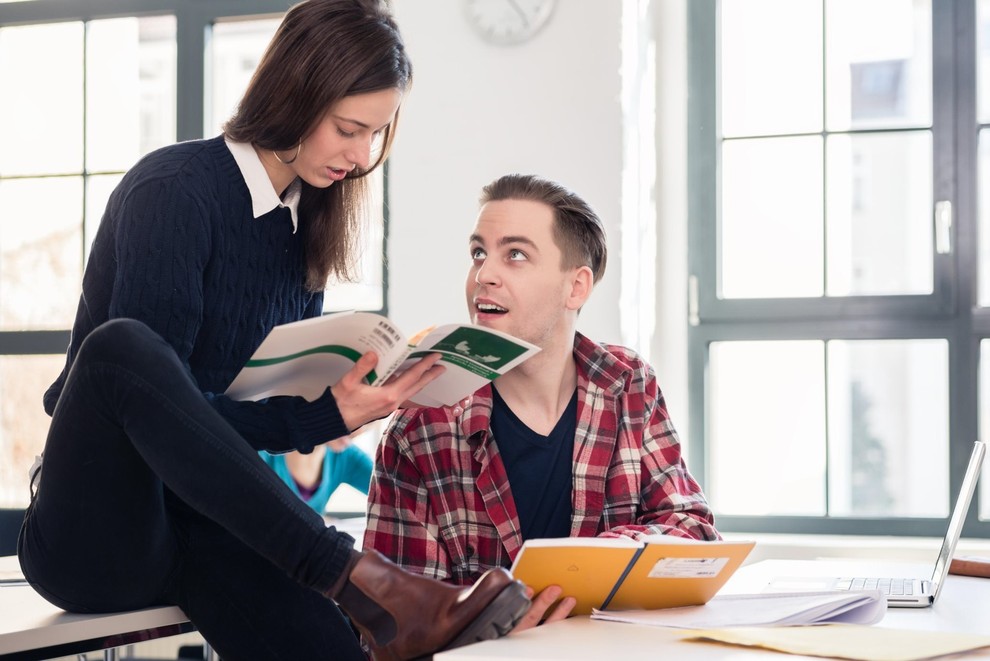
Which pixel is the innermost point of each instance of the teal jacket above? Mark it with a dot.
(352, 466)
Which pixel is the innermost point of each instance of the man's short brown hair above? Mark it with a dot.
(577, 229)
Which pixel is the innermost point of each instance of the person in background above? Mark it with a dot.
(575, 442)
(151, 490)
(314, 476)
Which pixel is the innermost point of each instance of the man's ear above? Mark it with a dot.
(582, 282)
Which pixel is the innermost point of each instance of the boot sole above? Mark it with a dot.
(497, 619)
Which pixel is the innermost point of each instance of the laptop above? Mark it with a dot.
(904, 592)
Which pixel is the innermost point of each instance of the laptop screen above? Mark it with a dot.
(958, 515)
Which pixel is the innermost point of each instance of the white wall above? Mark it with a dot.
(550, 106)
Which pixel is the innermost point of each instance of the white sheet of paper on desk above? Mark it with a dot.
(845, 641)
(781, 609)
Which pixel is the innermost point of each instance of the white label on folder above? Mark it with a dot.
(687, 567)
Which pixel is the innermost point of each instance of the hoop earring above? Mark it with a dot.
(291, 160)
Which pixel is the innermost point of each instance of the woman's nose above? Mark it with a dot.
(361, 155)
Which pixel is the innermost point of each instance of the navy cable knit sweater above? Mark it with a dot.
(178, 248)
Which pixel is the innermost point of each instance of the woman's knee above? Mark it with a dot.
(119, 340)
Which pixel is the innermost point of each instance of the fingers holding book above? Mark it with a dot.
(546, 607)
(360, 403)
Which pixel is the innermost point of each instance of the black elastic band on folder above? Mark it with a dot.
(622, 578)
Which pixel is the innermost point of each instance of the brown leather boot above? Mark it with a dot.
(404, 616)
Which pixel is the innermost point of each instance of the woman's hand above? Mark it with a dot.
(459, 408)
(360, 403)
(541, 603)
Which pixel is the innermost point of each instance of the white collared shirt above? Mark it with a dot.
(263, 195)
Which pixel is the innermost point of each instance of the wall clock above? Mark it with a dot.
(507, 22)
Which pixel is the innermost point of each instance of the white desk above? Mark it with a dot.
(32, 628)
(963, 606)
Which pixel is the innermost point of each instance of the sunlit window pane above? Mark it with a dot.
(880, 214)
(98, 189)
(983, 60)
(983, 195)
(40, 252)
(42, 112)
(771, 220)
(236, 48)
(879, 59)
(759, 59)
(23, 421)
(888, 428)
(130, 95)
(984, 506)
(767, 428)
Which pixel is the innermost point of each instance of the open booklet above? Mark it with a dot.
(658, 571)
(764, 609)
(305, 357)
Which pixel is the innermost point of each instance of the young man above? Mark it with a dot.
(575, 442)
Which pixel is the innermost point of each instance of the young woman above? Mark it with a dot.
(152, 491)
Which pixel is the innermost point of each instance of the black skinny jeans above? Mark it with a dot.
(148, 496)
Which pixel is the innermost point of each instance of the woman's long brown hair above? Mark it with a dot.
(323, 51)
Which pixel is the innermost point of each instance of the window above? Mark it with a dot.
(95, 91)
(838, 294)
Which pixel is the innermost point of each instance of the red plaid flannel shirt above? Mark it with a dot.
(440, 502)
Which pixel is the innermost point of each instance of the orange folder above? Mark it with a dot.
(623, 573)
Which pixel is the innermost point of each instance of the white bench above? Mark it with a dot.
(32, 628)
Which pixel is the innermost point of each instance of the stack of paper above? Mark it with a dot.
(764, 609)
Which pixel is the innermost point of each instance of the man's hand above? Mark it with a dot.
(541, 603)
(360, 403)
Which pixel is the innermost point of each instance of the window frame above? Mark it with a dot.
(194, 20)
(949, 313)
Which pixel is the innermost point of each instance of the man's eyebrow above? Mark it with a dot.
(505, 240)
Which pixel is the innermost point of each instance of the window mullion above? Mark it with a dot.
(191, 24)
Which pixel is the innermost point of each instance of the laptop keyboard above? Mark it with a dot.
(888, 586)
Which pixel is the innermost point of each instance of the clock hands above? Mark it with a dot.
(519, 10)
(506, 22)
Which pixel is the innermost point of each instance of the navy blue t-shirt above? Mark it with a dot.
(539, 468)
